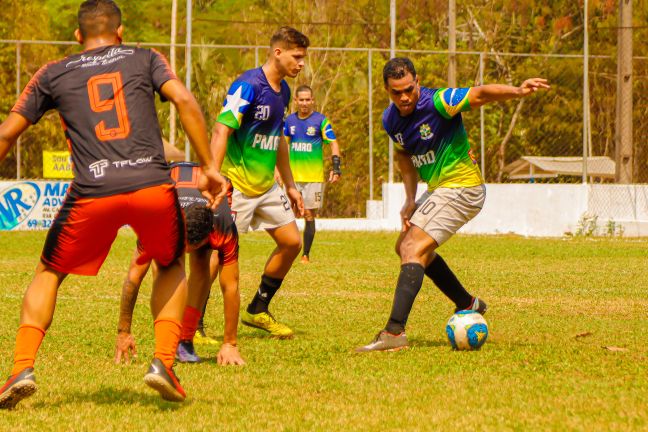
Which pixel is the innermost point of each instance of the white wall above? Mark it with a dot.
(541, 210)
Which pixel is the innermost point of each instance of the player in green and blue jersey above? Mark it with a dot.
(248, 142)
(306, 132)
(432, 144)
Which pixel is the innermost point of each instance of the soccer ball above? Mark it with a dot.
(467, 330)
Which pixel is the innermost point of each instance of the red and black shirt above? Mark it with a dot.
(106, 100)
(185, 175)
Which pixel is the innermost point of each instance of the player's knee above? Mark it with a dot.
(292, 245)
(408, 250)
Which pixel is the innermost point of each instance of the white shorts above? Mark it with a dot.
(267, 211)
(442, 212)
(312, 193)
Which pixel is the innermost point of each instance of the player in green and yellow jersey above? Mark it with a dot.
(432, 144)
(306, 132)
(248, 142)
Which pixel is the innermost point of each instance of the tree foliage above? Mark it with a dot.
(548, 124)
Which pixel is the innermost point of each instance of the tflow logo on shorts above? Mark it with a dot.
(16, 203)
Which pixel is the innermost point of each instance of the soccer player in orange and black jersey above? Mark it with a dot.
(212, 244)
(105, 96)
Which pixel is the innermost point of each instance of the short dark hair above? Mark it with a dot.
(200, 222)
(397, 68)
(289, 37)
(98, 17)
(303, 88)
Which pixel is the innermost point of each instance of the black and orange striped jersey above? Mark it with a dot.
(106, 101)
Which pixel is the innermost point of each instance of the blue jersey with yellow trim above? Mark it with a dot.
(306, 138)
(435, 138)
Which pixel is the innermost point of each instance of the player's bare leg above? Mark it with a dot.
(309, 233)
(288, 246)
(36, 316)
(279, 263)
(168, 300)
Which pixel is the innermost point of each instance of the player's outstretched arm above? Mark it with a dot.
(487, 93)
(283, 165)
(125, 344)
(193, 122)
(10, 130)
(410, 181)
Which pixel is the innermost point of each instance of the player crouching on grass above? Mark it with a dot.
(106, 99)
(207, 232)
(431, 142)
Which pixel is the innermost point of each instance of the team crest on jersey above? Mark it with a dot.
(426, 132)
(311, 131)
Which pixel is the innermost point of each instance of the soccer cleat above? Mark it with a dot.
(305, 259)
(202, 339)
(385, 341)
(17, 388)
(476, 305)
(265, 321)
(186, 352)
(164, 381)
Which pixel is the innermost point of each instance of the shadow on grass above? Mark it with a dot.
(113, 396)
(252, 333)
(427, 343)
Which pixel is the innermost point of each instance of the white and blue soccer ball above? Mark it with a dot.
(467, 330)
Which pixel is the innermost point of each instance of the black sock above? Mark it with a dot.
(201, 322)
(448, 283)
(409, 284)
(267, 289)
(309, 235)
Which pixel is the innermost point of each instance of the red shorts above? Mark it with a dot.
(226, 245)
(85, 228)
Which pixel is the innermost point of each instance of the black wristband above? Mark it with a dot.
(336, 165)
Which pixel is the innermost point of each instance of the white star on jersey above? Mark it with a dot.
(234, 103)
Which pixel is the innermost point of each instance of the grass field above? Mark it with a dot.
(534, 373)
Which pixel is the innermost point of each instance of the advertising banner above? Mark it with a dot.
(57, 165)
(30, 205)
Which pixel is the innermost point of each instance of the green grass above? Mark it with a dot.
(532, 374)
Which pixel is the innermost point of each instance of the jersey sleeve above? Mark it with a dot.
(161, 71)
(286, 127)
(451, 101)
(238, 100)
(328, 135)
(36, 98)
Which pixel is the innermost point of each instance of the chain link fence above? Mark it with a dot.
(348, 87)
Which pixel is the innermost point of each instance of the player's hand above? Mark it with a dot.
(532, 85)
(406, 213)
(296, 200)
(213, 186)
(125, 348)
(229, 355)
(333, 177)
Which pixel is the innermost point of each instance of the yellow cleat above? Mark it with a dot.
(200, 338)
(265, 321)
